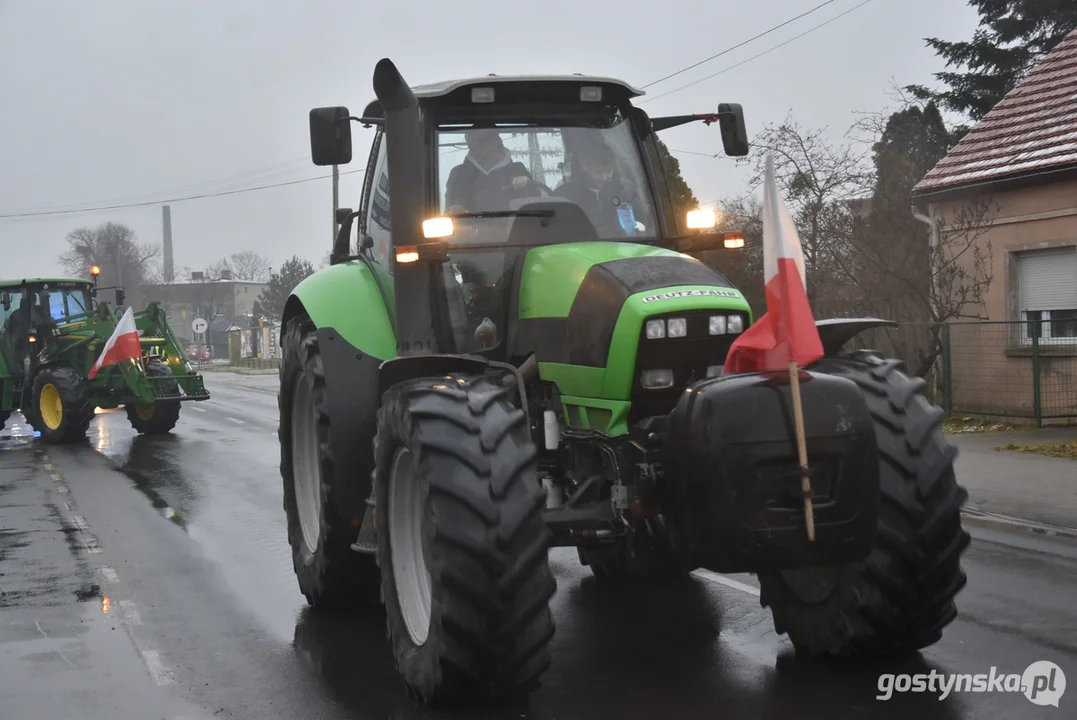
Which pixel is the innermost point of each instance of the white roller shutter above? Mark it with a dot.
(1048, 279)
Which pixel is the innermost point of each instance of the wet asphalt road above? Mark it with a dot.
(151, 578)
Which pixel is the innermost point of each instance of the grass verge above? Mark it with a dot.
(1066, 450)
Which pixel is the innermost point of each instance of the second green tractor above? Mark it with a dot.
(52, 332)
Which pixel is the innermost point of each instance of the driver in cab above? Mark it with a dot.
(488, 178)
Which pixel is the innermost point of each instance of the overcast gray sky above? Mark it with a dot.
(128, 100)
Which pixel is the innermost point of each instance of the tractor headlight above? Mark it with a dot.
(656, 379)
(678, 327)
(656, 329)
(736, 324)
(717, 325)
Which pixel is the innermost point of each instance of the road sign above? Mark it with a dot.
(199, 325)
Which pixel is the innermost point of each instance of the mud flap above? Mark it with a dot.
(351, 378)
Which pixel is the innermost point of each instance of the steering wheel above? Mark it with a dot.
(532, 189)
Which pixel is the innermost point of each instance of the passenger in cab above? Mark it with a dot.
(596, 186)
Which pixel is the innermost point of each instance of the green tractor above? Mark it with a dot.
(516, 357)
(52, 332)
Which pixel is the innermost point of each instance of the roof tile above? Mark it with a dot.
(1033, 128)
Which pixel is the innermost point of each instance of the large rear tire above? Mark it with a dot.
(331, 575)
(62, 411)
(901, 596)
(462, 544)
(159, 417)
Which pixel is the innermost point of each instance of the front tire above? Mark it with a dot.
(901, 596)
(462, 544)
(62, 411)
(158, 417)
(331, 575)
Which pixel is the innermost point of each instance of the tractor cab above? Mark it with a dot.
(29, 307)
(498, 166)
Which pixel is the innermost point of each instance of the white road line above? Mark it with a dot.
(723, 580)
(110, 575)
(238, 421)
(195, 407)
(92, 546)
(130, 612)
(160, 674)
(56, 477)
(62, 489)
(80, 522)
(50, 467)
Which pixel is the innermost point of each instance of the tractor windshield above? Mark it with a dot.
(499, 167)
(62, 303)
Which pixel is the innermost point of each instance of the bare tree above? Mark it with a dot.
(822, 182)
(249, 265)
(904, 270)
(116, 250)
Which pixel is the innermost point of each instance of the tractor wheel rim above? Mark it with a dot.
(51, 406)
(145, 412)
(410, 573)
(306, 469)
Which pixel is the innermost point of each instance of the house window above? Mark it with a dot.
(1047, 283)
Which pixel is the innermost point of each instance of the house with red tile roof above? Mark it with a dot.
(1022, 160)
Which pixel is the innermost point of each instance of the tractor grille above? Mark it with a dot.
(688, 357)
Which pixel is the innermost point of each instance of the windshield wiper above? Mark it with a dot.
(503, 213)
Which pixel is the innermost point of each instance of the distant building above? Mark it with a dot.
(221, 303)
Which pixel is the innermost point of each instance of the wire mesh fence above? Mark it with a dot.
(1018, 370)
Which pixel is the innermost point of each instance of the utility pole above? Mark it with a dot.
(336, 202)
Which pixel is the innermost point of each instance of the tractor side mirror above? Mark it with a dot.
(5, 300)
(734, 131)
(330, 136)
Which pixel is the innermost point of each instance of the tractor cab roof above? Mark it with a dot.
(62, 282)
(516, 89)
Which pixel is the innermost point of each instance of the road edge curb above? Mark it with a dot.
(1014, 524)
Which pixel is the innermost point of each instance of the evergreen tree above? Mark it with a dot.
(1014, 35)
(683, 198)
(270, 303)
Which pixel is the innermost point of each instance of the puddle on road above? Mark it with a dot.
(155, 465)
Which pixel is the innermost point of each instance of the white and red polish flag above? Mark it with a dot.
(786, 333)
(123, 345)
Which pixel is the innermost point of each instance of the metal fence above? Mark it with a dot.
(1014, 370)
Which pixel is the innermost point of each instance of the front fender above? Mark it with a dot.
(351, 298)
(835, 332)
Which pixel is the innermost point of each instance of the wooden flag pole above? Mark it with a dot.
(802, 450)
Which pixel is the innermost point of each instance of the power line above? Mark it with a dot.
(739, 45)
(225, 183)
(759, 55)
(199, 196)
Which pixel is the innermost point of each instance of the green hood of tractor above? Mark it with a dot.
(583, 306)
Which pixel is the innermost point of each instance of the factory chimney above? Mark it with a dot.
(169, 270)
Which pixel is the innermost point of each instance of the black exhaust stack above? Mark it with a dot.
(418, 287)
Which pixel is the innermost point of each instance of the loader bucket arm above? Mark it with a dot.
(157, 339)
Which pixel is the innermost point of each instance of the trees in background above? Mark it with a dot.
(270, 303)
